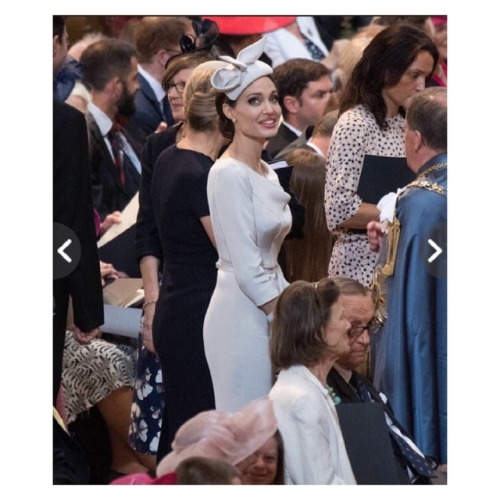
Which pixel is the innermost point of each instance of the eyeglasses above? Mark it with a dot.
(356, 331)
(179, 87)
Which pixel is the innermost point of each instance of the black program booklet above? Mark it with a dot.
(381, 175)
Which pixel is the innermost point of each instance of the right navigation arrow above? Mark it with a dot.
(437, 253)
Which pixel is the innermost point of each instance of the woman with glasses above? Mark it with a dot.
(309, 333)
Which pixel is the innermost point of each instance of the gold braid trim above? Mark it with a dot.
(378, 287)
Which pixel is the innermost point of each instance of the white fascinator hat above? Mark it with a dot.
(239, 73)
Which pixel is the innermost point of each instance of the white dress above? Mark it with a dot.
(315, 452)
(250, 218)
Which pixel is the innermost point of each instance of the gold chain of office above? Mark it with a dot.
(421, 182)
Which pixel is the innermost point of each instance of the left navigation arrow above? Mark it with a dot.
(61, 252)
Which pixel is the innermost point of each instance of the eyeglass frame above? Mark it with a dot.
(170, 85)
(373, 327)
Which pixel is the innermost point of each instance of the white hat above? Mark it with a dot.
(242, 71)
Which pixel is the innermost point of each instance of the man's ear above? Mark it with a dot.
(114, 87)
(56, 41)
(413, 141)
(161, 57)
(291, 104)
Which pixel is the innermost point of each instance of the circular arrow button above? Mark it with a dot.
(66, 251)
(434, 252)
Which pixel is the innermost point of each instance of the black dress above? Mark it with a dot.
(179, 200)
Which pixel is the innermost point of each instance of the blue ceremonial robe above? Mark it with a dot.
(410, 352)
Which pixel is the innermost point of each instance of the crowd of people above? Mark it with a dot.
(288, 180)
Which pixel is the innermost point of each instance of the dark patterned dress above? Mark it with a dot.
(93, 371)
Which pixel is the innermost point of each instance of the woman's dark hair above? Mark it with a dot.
(302, 312)
(226, 126)
(58, 23)
(384, 61)
(184, 61)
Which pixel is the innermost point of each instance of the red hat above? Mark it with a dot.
(250, 25)
(438, 20)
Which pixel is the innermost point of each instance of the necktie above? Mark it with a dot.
(117, 148)
(316, 53)
(416, 461)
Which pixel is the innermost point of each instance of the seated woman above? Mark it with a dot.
(309, 333)
(101, 374)
(229, 437)
(266, 465)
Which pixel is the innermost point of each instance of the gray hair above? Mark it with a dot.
(428, 113)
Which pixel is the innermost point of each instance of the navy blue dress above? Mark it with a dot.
(149, 397)
(179, 200)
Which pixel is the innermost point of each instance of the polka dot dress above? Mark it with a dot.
(355, 135)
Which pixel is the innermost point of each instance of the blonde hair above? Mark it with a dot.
(199, 101)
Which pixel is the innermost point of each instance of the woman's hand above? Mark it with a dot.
(85, 337)
(375, 235)
(107, 272)
(147, 327)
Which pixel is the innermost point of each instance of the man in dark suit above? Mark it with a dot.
(156, 40)
(110, 73)
(304, 88)
(352, 387)
(314, 138)
(72, 203)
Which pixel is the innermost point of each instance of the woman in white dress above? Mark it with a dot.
(310, 332)
(250, 218)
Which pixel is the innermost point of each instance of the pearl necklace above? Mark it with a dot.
(333, 395)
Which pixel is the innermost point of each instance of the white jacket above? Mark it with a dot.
(307, 420)
(281, 45)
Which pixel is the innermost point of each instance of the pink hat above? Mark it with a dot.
(438, 20)
(230, 437)
(250, 25)
(142, 478)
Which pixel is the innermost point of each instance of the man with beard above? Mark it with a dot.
(112, 78)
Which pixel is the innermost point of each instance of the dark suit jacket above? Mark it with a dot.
(348, 394)
(108, 193)
(148, 113)
(299, 143)
(72, 204)
(280, 141)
